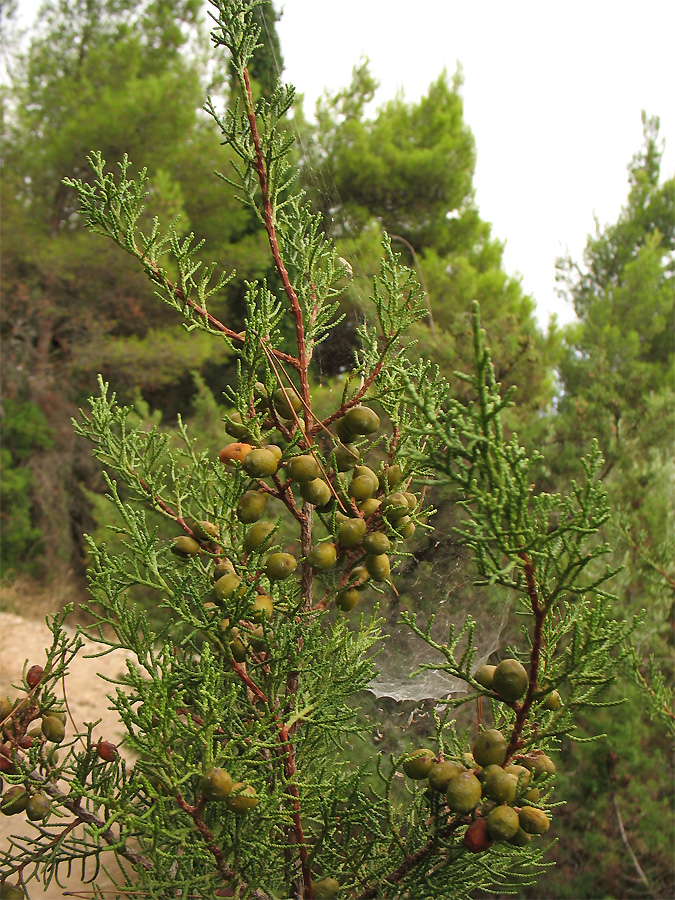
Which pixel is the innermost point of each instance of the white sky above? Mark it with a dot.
(553, 93)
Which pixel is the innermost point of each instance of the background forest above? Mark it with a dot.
(131, 76)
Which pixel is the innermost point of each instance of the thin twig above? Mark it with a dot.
(626, 843)
(539, 613)
(410, 862)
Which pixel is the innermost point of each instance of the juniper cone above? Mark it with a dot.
(418, 764)
(510, 679)
(490, 748)
(485, 675)
(463, 793)
(38, 807)
(442, 773)
(503, 823)
(276, 707)
(498, 784)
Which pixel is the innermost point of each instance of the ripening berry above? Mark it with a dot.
(106, 751)
(484, 675)
(38, 807)
(418, 764)
(490, 748)
(185, 547)
(503, 823)
(442, 773)
(259, 537)
(280, 566)
(362, 420)
(477, 837)
(53, 729)
(463, 793)
(286, 402)
(302, 468)
(251, 506)
(322, 557)
(242, 798)
(34, 676)
(325, 888)
(14, 800)
(234, 453)
(352, 532)
(216, 784)
(11, 892)
(260, 463)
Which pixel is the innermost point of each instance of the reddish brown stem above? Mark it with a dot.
(523, 709)
(58, 838)
(302, 363)
(289, 771)
(83, 815)
(195, 813)
(411, 861)
(289, 767)
(216, 324)
(302, 367)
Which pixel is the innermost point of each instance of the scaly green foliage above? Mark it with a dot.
(251, 680)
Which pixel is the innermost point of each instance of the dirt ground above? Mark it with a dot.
(22, 639)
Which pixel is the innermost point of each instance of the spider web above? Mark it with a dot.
(445, 591)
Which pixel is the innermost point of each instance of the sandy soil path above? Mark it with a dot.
(22, 639)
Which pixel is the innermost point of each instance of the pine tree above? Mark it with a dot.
(237, 712)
